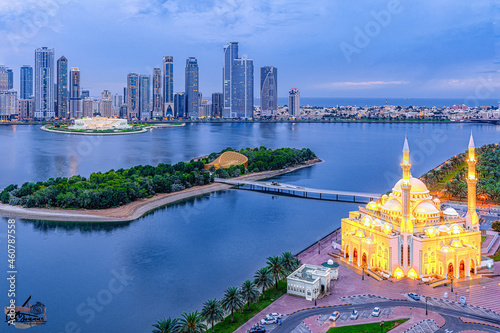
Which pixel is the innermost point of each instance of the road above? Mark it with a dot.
(453, 322)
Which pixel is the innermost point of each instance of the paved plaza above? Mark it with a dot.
(483, 299)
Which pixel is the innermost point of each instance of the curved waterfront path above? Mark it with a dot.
(136, 209)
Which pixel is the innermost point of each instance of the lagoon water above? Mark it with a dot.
(183, 254)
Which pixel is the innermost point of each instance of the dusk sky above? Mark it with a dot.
(425, 48)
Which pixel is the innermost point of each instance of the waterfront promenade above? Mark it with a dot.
(350, 288)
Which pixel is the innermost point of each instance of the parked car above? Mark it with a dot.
(268, 321)
(334, 316)
(275, 315)
(354, 315)
(414, 296)
(376, 312)
(257, 329)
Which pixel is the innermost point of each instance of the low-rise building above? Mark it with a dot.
(310, 281)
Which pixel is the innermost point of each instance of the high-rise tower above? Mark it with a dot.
(62, 88)
(10, 75)
(157, 102)
(168, 85)
(268, 91)
(294, 102)
(242, 88)
(132, 96)
(44, 83)
(26, 82)
(75, 98)
(4, 78)
(191, 82)
(471, 219)
(230, 54)
(145, 96)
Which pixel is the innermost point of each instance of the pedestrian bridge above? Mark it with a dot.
(299, 191)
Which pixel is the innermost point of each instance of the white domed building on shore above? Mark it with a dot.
(406, 233)
(100, 124)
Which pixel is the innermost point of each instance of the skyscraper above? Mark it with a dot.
(157, 102)
(44, 83)
(85, 93)
(26, 82)
(62, 88)
(132, 96)
(242, 94)
(180, 105)
(4, 78)
(268, 91)
(106, 107)
(145, 96)
(230, 54)
(294, 102)
(10, 79)
(191, 83)
(75, 98)
(168, 85)
(217, 105)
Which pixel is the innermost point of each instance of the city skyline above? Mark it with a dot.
(454, 54)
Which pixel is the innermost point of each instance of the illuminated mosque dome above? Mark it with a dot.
(417, 186)
(426, 207)
(393, 205)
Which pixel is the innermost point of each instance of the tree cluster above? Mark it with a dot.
(116, 188)
(488, 173)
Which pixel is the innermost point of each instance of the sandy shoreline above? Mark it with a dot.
(133, 210)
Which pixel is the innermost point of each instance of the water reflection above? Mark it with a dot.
(83, 228)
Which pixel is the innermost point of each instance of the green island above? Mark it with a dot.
(368, 328)
(115, 188)
(239, 304)
(449, 177)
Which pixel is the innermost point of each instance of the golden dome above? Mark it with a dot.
(417, 186)
(228, 159)
(426, 207)
(393, 205)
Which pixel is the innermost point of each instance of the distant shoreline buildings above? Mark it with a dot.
(53, 91)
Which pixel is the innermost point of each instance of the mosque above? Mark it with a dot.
(406, 233)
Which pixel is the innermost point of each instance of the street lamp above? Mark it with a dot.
(363, 272)
(426, 298)
(382, 326)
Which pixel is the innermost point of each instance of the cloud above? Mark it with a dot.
(216, 20)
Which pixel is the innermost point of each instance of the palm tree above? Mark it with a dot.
(232, 300)
(191, 322)
(288, 260)
(165, 326)
(212, 312)
(275, 264)
(249, 292)
(263, 278)
(296, 263)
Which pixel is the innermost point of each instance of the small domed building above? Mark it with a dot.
(406, 233)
